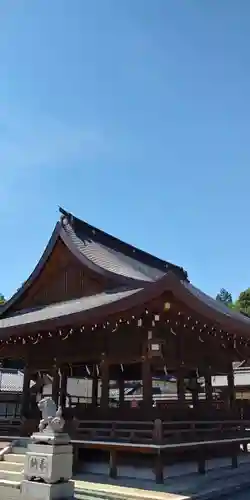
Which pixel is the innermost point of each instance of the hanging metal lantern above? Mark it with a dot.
(155, 348)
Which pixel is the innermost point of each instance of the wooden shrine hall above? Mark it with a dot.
(98, 308)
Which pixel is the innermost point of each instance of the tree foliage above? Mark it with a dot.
(2, 299)
(241, 304)
(225, 297)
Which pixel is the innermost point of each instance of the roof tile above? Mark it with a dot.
(216, 304)
(65, 308)
(110, 258)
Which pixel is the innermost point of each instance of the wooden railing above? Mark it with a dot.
(139, 430)
(157, 431)
(198, 440)
(111, 438)
(9, 426)
(87, 411)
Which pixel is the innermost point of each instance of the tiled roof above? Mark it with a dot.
(66, 308)
(216, 304)
(119, 262)
(111, 259)
(113, 255)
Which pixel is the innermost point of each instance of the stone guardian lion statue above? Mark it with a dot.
(52, 420)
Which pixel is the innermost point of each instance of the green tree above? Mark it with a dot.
(2, 299)
(243, 302)
(225, 297)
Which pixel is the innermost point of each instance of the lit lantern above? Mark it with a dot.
(167, 306)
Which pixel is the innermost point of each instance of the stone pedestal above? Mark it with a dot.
(42, 491)
(48, 468)
(50, 437)
(48, 462)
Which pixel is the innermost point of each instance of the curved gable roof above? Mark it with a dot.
(102, 253)
(114, 255)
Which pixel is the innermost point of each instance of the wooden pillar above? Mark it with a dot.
(75, 457)
(201, 460)
(55, 385)
(113, 464)
(180, 387)
(147, 383)
(105, 384)
(121, 392)
(25, 401)
(94, 396)
(194, 387)
(195, 398)
(235, 453)
(63, 388)
(231, 388)
(159, 475)
(158, 432)
(208, 387)
(158, 438)
(180, 370)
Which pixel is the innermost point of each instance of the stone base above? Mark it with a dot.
(50, 463)
(31, 490)
(48, 437)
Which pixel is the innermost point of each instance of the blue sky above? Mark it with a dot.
(134, 115)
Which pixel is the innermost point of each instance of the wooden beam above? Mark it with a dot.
(25, 401)
(55, 385)
(208, 386)
(180, 370)
(121, 383)
(63, 388)
(94, 397)
(147, 383)
(181, 386)
(231, 388)
(105, 384)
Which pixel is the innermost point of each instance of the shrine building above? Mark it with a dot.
(98, 309)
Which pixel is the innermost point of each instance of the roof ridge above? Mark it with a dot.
(132, 251)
